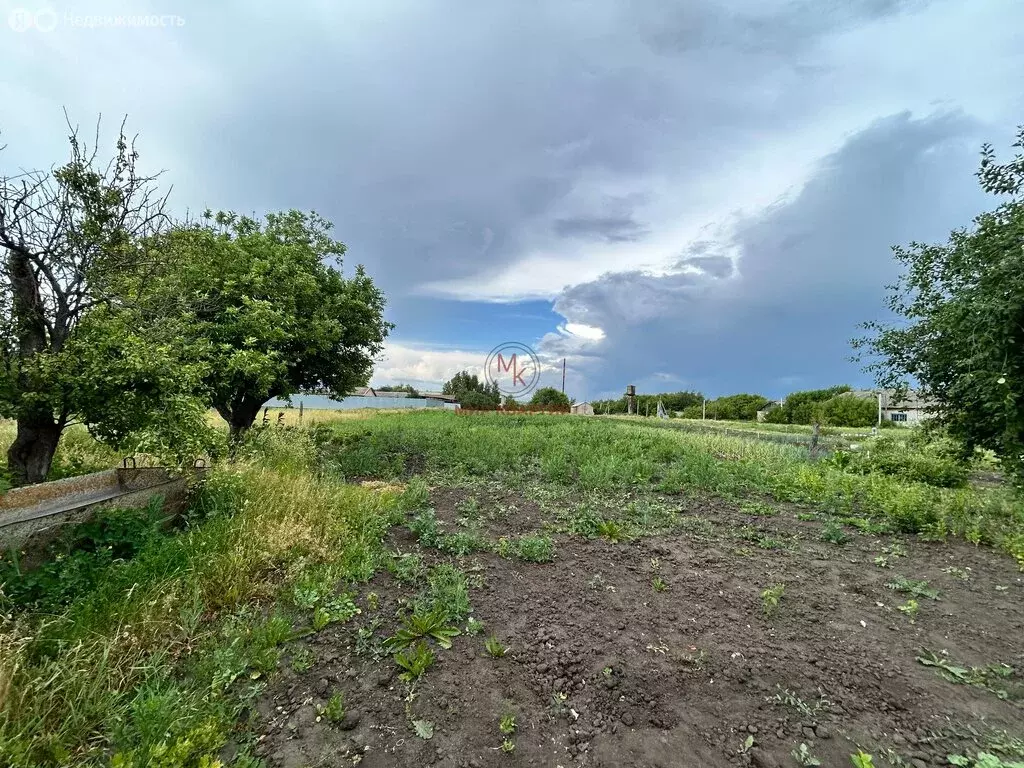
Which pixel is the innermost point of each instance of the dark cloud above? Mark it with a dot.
(810, 269)
(611, 229)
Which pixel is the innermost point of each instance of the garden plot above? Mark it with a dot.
(724, 634)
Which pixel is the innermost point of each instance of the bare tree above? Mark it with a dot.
(66, 235)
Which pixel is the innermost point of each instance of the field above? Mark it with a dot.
(424, 589)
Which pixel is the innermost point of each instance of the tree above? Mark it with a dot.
(413, 392)
(469, 391)
(960, 335)
(266, 314)
(549, 396)
(805, 407)
(67, 353)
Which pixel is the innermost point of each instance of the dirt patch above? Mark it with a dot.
(658, 652)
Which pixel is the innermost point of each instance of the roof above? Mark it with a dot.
(769, 405)
(912, 399)
(438, 396)
(363, 392)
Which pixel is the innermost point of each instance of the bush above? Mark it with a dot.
(918, 458)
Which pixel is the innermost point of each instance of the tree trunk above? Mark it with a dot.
(31, 454)
(240, 415)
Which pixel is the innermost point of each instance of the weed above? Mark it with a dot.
(507, 746)
(833, 533)
(494, 647)
(507, 724)
(759, 508)
(366, 644)
(792, 699)
(302, 659)
(536, 549)
(911, 608)
(770, 598)
(558, 704)
(469, 507)
(961, 573)
(802, 755)
(882, 562)
(913, 588)
(610, 530)
(415, 661)
(334, 709)
(474, 626)
(993, 677)
(658, 584)
(746, 746)
(422, 626)
(424, 729)
(407, 568)
(982, 760)
(862, 760)
(447, 592)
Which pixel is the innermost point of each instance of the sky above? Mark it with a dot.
(677, 195)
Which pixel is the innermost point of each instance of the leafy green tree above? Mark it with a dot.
(265, 313)
(465, 386)
(960, 333)
(849, 410)
(805, 407)
(71, 347)
(413, 392)
(549, 396)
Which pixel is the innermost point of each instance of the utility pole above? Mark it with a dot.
(563, 375)
(879, 409)
(704, 410)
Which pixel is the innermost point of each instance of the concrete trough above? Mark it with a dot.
(31, 517)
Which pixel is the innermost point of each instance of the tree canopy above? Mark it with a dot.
(71, 345)
(550, 396)
(960, 330)
(471, 392)
(264, 312)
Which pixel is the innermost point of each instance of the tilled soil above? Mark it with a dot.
(605, 671)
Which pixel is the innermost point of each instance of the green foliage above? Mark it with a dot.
(415, 660)
(81, 559)
(549, 396)
(997, 678)
(862, 760)
(673, 401)
(913, 588)
(802, 754)
(494, 647)
(833, 533)
(983, 760)
(264, 311)
(917, 457)
(334, 710)
(532, 549)
(423, 626)
(959, 332)
(806, 407)
(742, 407)
(848, 410)
(412, 391)
(770, 598)
(471, 392)
(507, 724)
(447, 593)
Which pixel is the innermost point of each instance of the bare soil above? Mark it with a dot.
(605, 671)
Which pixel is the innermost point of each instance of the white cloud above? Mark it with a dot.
(425, 366)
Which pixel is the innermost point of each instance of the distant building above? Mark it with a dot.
(363, 392)
(438, 396)
(583, 409)
(911, 408)
(768, 407)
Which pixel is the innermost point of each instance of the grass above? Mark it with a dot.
(148, 657)
(578, 456)
(160, 653)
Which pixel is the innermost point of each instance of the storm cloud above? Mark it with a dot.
(700, 193)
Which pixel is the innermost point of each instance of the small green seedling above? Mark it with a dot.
(747, 745)
(862, 760)
(658, 584)
(507, 724)
(961, 573)
(610, 530)
(770, 598)
(415, 661)
(802, 755)
(474, 626)
(494, 647)
(508, 746)
(334, 710)
(833, 533)
(911, 608)
(883, 562)
(424, 729)
(373, 601)
(913, 588)
(420, 626)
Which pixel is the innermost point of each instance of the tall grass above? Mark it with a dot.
(608, 454)
(142, 667)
